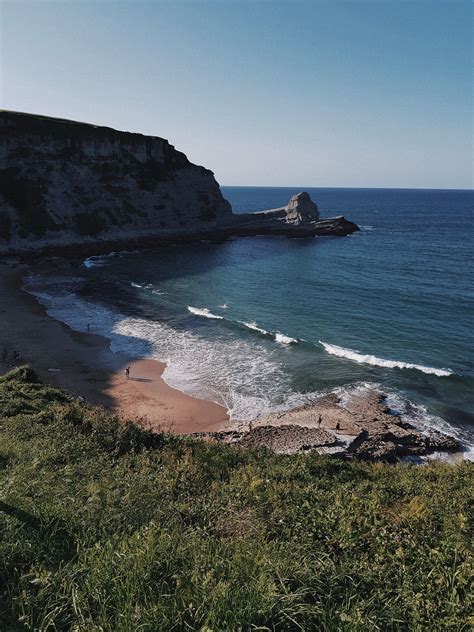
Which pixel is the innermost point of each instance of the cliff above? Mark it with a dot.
(64, 183)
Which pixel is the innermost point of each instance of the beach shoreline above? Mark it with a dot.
(84, 364)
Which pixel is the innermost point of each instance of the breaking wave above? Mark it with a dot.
(254, 327)
(283, 339)
(361, 358)
(246, 377)
(203, 312)
(279, 337)
(99, 261)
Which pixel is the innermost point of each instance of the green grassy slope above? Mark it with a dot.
(108, 527)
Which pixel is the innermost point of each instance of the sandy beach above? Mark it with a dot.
(84, 365)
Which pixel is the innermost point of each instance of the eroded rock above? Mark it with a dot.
(67, 184)
(360, 427)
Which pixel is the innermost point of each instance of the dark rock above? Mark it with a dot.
(437, 442)
(65, 184)
(287, 439)
(299, 218)
(362, 428)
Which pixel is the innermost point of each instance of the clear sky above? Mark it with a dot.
(275, 93)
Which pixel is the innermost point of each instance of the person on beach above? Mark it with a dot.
(320, 419)
(127, 372)
(338, 426)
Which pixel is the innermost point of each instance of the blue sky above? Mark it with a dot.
(271, 93)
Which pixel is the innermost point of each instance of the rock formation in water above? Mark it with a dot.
(65, 183)
(299, 218)
(362, 428)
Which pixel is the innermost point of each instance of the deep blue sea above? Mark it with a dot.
(265, 323)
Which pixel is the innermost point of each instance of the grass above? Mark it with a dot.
(108, 527)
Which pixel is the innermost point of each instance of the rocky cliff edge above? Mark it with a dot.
(64, 183)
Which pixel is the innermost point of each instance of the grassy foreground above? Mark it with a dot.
(108, 527)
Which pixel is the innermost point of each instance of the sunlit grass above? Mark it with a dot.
(108, 527)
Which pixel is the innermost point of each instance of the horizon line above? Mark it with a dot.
(302, 188)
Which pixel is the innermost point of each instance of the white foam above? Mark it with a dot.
(224, 306)
(147, 286)
(418, 415)
(361, 358)
(242, 375)
(245, 376)
(93, 262)
(283, 339)
(198, 311)
(254, 326)
(414, 414)
(98, 261)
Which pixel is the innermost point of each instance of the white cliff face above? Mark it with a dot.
(67, 183)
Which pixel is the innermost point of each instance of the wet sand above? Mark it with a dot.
(84, 365)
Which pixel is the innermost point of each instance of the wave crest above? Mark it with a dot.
(253, 325)
(361, 358)
(197, 311)
(283, 339)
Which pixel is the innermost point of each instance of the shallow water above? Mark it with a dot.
(263, 323)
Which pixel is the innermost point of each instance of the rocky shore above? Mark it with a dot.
(360, 426)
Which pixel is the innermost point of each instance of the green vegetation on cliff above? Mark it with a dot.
(108, 527)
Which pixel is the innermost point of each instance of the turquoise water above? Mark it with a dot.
(264, 323)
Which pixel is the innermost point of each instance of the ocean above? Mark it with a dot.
(265, 323)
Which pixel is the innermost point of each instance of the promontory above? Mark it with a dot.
(65, 184)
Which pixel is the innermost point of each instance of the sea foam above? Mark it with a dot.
(98, 261)
(243, 377)
(283, 339)
(252, 325)
(198, 311)
(361, 358)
